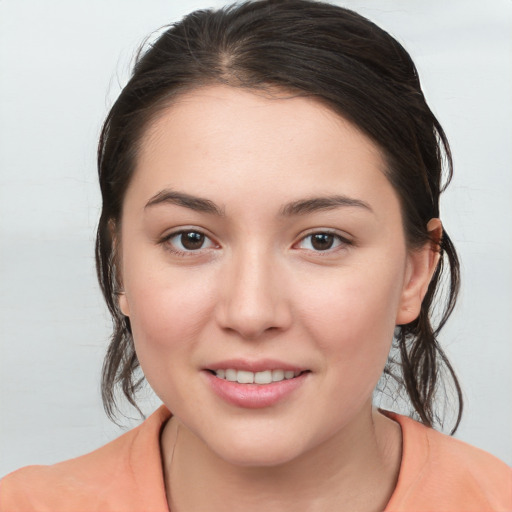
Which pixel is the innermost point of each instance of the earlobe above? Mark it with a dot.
(421, 265)
(123, 304)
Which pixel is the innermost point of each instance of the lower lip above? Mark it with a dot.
(254, 396)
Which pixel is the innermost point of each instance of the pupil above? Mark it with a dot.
(322, 241)
(192, 240)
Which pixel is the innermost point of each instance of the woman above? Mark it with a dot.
(270, 179)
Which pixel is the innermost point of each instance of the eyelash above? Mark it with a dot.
(340, 241)
(166, 241)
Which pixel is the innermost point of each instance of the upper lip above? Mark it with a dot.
(254, 366)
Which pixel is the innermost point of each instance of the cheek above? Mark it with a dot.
(167, 316)
(167, 311)
(352, 317)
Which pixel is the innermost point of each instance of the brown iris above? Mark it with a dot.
(322, 241)
(192, 240)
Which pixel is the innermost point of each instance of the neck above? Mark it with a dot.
(355, 470)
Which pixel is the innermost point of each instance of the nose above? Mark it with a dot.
(253, 296)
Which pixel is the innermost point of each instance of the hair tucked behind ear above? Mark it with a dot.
(420, 358)
(312, 49)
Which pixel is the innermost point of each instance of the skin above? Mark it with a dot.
(257, 288)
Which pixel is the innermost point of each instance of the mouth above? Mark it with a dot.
(256, 384)
(261, 377)
(259, 389)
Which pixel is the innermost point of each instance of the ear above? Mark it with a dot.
(123, 304)
(421, 265)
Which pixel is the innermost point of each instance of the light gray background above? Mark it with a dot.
(61, 66)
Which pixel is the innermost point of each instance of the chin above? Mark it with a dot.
(258, 456)
(265, 448)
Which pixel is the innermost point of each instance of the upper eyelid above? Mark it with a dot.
(179, 231)
(328, 231)
(164, 242)
(344, 240)
(168, 236)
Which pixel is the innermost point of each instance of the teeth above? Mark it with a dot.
(264, 377)
(231, 375)
(244, 377)
(277, 375)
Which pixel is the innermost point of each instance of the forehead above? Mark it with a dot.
(218, 109)
(219, 141)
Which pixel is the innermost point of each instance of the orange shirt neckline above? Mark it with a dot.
(436, 473)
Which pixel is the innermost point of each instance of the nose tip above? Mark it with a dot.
(251, 321)
(253, 301)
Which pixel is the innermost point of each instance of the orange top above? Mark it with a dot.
(438, 473)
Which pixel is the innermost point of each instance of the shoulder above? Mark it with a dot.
(441, 473)
(125, 474)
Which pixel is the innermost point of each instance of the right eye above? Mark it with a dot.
(188, 241)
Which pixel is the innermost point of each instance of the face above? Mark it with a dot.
(260, 240)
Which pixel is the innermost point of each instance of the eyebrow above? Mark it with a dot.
(304, 206)
(188, 201)
(299, 207)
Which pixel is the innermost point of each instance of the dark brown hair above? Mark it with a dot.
(317, 50)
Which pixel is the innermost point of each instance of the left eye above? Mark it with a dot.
(321, 242)
(188, 241)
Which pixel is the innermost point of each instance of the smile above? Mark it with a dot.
(255, 390)
(262, 377)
